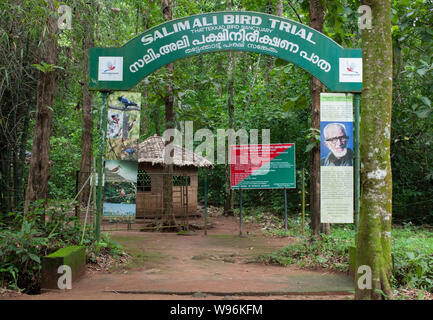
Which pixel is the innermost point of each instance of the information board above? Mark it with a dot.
(263, 166)
(336, 164)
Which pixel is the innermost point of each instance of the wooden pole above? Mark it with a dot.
(205, 204)
(240, 212)
(100, 164)
(303, 201)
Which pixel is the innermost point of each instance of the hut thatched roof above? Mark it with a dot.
(152, 150)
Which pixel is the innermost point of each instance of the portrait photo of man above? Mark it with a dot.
(336, 140)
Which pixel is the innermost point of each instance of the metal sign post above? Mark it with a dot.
(240, 212)
(303, 201)
(100, 165)
(357, 163)
(285, 209)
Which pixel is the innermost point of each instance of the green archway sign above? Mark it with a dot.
(121, 68)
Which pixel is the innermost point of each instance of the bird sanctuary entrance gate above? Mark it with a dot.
(338, 68)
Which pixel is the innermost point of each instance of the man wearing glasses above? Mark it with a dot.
(336, 140)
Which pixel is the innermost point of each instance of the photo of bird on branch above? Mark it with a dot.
(123, 125)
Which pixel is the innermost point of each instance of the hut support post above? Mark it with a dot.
(187, 202)
(182, 203)
(205, 204)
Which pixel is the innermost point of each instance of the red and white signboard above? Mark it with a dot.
(270, 166)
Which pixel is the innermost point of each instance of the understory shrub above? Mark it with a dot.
(412, 249)
(412, 252)
(25, 240)
(330, 252)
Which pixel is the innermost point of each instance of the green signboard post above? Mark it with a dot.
(276, 170)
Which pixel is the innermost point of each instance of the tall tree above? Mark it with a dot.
(144, 121)
(228, 192)
(87, 99)
(279, 8)
(169, 218)
(317, 16)
(37, 186)
(374, 230)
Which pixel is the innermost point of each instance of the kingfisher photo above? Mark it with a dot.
(120, 189)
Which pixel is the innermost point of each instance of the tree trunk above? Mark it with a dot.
(228, 192)
(87, 128)
(144, 121)
(169, 218)
(37, 187)
(270, 59)
(374, 230)
(279, 8)
(317, 15)
(220, 84)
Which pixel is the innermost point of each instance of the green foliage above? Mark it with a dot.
(45, 67)
(329, 252)
(412, 133)
(413, 257)
(313, 135)
(28, 239)
(21, 252)
(105, 246)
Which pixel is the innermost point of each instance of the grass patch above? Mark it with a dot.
(330, 252)
(273, 225)
(141, 258)
(412, 250)
(219, 236)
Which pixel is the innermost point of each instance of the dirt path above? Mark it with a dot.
(217, 266)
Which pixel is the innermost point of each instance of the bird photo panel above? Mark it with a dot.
(123, 125)
(120, 190)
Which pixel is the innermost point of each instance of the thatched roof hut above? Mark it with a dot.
(151, 151)
(151, 173)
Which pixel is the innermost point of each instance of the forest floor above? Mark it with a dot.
(221, 265)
